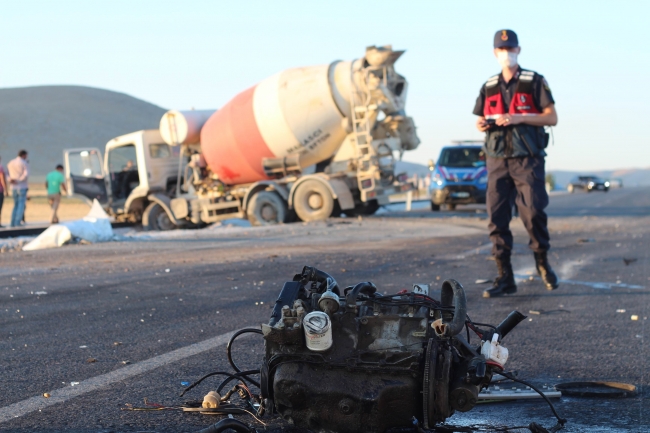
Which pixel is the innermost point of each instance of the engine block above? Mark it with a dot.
(355, 361)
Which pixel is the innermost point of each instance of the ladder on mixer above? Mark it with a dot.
(363, 139)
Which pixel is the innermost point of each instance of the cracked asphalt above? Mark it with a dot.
(85, 313)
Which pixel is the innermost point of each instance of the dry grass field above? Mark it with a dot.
(37, 210)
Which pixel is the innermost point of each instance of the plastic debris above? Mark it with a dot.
(185, 383)
(634, 317)
(46, 394)
(621, 310)
(91, 360)
(94, 227)
(586, 240)
(481, 281)
(628, 261)
(83, 347)
(74, 383)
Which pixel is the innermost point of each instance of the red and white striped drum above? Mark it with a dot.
(296, 111)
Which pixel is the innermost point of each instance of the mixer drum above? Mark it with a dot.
(298, 111)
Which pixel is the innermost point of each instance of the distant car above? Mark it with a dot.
(459, 176)
(588, 183)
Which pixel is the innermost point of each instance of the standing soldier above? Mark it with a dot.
(513, 108)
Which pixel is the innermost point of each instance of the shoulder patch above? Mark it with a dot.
(526, 75)
(492, 81)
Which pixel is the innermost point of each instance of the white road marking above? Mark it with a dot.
(61, 395)
(568, 270)
(522, 277)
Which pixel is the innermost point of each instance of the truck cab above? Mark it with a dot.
(459, 176)
(133, 167)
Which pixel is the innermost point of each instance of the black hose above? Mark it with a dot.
(509, 323)
(313, 274)
(453, 294)
(561, 421)
(229, 351)
(228, 423)
(367, 286)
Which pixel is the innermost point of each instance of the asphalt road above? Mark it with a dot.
(102, 326)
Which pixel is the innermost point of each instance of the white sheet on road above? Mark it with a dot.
(94, 227)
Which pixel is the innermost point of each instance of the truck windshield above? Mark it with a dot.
(462, 157)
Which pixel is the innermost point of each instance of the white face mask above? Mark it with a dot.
(506, 59)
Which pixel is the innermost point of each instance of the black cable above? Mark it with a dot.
(229, 351)
(484, 324)
(239, 376)
(561, 421)
(216, 373)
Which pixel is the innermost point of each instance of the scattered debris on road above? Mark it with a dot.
(335, 355)
(629, 261)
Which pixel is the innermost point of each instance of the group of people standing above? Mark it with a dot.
(15, 178)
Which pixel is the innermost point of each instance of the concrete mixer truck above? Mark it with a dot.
(307, 142)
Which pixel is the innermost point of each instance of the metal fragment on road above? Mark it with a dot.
(497, 393)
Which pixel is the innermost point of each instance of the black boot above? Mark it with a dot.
(545, 271)
(504, 284)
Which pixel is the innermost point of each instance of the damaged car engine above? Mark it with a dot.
(354, 360)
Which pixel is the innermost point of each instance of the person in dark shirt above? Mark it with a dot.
(513, 109)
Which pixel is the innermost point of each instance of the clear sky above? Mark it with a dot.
(191, 53)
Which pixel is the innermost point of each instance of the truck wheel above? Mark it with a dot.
(435, 207)
(451, 206)
(313, 201)
(266, 208)
(158, 220)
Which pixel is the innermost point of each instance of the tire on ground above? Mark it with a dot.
(158, 220)
(313, 201)
(267, 208)
(435, 207)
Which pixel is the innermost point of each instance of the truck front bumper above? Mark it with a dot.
(458, 194)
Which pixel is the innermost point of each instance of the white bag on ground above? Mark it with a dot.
(94, 227)
(55, 236)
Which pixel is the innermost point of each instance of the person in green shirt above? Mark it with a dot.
(54, 181)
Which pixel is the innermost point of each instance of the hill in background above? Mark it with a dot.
(45, 120)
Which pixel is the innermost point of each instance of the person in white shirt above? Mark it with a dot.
(18, 171)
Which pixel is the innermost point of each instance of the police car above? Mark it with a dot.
(459, 176)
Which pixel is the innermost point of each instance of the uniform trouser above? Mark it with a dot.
(20, 197)
(523, 178)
